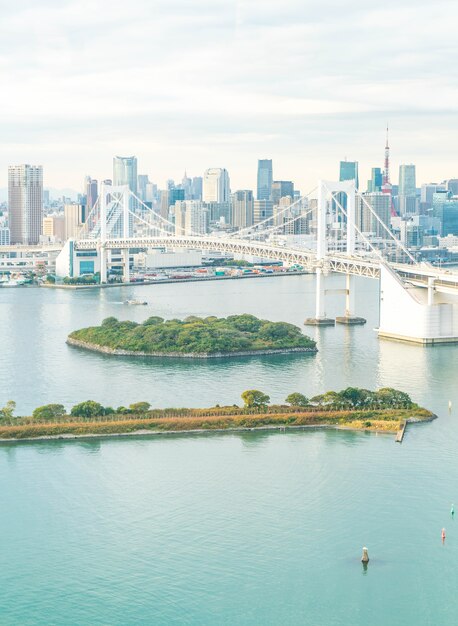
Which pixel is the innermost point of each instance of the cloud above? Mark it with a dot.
(197, 82)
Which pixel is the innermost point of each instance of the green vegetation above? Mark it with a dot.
(353, 408)
(86, 279)
(253, 398)
(49, 412)
(195, 335)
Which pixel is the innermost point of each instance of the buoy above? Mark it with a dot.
(449, 405)
(365, 557)
(443, 535)
(452, 511)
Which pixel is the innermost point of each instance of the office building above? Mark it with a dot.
(197, 188)
(216, 185)
(376, 180)
(452, 186)
(5, 238)
(54, 227)
(262, 209)
(281, 189)
(445, 208)
(92, 192)
(349, 171)
(366, 221)
(74, 217)
(407, 201)
(242, 208)
(264, 187)
(142, 183)
(25, 203)
(125, 172)
(191, 218)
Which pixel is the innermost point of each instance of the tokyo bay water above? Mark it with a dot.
(249, 528)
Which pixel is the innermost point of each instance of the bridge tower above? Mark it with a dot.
(326, 190)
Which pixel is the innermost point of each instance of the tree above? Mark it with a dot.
(7, 411)
(87, 409)
(253, 398)
(297, 399)
(49, 411)
(140, 407)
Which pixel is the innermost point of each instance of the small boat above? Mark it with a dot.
(141, 302)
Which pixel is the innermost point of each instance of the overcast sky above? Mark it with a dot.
(191, 84)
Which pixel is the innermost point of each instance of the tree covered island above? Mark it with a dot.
(194, 336)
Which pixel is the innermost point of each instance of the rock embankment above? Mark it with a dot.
(181, 355)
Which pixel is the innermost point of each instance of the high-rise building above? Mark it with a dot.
(262, 209)
(125, 172)
(445, 207)
(197, 188)
(291, 219)
(142, 182)
(452, 185)
(349, 171)
(25, 203)
(366, 221)
(191, 218)
(74, 218)
(376, 180)
(407, 189)
(242, 208)
(281, 189)
(92, 192)
(186, 184)
(264, 189)
(216, 185)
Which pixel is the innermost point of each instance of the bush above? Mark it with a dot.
(49, 412)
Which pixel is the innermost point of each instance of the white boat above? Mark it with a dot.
(141, 302)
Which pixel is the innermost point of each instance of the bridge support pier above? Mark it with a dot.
(350, 319)
(103, 264)
(320, 318)
(126, 268)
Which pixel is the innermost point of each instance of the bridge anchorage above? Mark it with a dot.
(343, 235)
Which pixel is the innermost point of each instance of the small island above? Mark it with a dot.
(386, 410)
(193, 337)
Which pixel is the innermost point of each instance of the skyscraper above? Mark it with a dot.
(349, 171)
(216, 185)
(191, 217)
(142, 182)
(92, 193)
(242, 208)
(125, 172)
(407, 189)
(25, 202)
(376, 180)
(366, 221)
(281, 189)
(264, 191)
(262, 209)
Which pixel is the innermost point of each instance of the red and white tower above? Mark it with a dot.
(386, 183)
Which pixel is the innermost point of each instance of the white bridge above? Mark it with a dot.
(418, 302)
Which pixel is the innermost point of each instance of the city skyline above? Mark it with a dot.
(293, 101)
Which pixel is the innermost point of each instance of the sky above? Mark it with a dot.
(191, 84)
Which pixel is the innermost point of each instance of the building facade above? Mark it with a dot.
(216, 185)
(25, 203)
(242, 208)
(125, 172)
(265, 177)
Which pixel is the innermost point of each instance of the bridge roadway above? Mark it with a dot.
(358, 265)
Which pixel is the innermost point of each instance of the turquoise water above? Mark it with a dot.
(253, 528)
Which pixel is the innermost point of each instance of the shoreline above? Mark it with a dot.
(167, 281)
(197, 429)
(77, 343)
